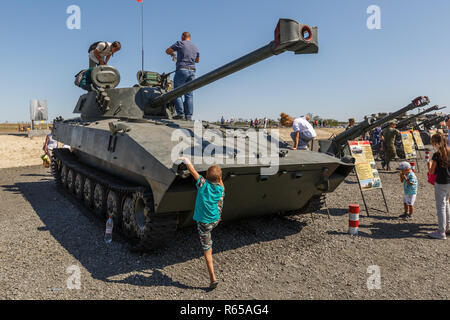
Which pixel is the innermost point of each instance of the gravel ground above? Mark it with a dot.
(300, 257)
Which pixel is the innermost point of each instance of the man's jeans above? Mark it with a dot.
(442, 195)
(187, 108)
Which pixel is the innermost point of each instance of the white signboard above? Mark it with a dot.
(38, 110)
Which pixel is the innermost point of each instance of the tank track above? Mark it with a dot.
(315, 204)
(131, 206)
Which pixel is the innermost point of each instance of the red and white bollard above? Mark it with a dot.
(427, 156)
(413, 166)
(353, 221)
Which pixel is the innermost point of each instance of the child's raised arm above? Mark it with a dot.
(190, 167)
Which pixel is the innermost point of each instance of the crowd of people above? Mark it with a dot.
(252, 123)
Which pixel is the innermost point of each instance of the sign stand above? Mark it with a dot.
(366, 174)
(364, 199)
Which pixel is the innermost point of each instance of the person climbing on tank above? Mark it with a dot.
(186, 58)
(100, 52)
(303, 130)
(208, 210)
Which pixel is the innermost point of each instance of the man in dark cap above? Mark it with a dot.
(388, 136)
(351, 123)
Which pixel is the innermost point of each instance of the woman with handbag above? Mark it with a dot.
(438, 170)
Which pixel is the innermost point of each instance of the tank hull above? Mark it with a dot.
(142, 157)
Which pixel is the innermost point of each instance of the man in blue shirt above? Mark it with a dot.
(187, 56)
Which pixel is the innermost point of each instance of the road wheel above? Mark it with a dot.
(88, 193)
(70, 180)
(127, 214)
(79, 186)
(114, 207)
(64, 172)
(153, 231)
(56, 172)
(100, 200)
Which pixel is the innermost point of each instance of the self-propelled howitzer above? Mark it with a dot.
(124, 145)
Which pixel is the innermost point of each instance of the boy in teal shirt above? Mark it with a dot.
(409, 180)
(208, 210)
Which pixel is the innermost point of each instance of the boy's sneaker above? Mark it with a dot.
(408, 217)
(437, 235)
(404, 216)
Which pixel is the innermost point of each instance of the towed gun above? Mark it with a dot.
(427, 124)
(407, 123)
(336, 145)
(156, 101)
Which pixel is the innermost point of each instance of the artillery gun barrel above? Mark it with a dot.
(289, 35)
(404, 123)
(431, 122)
(367, 125)
(336, 145)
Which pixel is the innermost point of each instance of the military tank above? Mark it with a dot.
(121, 161)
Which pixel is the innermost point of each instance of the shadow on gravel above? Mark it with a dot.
(81, 233)
(13, 189)
(382, 230)
(392, 231)
(34, 175)
(339, 212)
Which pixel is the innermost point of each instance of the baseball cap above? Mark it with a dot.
(404, 166)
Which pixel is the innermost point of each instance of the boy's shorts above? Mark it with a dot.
(409, 199)
(204, 231)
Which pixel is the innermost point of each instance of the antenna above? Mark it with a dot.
(142, 18)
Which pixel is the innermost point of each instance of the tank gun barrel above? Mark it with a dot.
(405, 123)
(289, 36)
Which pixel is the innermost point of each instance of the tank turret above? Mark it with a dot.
(156, 101)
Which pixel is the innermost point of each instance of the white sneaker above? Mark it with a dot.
(437, 235)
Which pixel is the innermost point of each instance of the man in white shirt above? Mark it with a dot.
(102, 53)
(303, 133)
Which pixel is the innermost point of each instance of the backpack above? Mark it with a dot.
(79, 76)
(95, 44)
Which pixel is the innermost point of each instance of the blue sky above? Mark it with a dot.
(357, 71)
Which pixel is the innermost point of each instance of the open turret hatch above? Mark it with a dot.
(106, 77)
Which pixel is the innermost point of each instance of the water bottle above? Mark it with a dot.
(109, 229)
